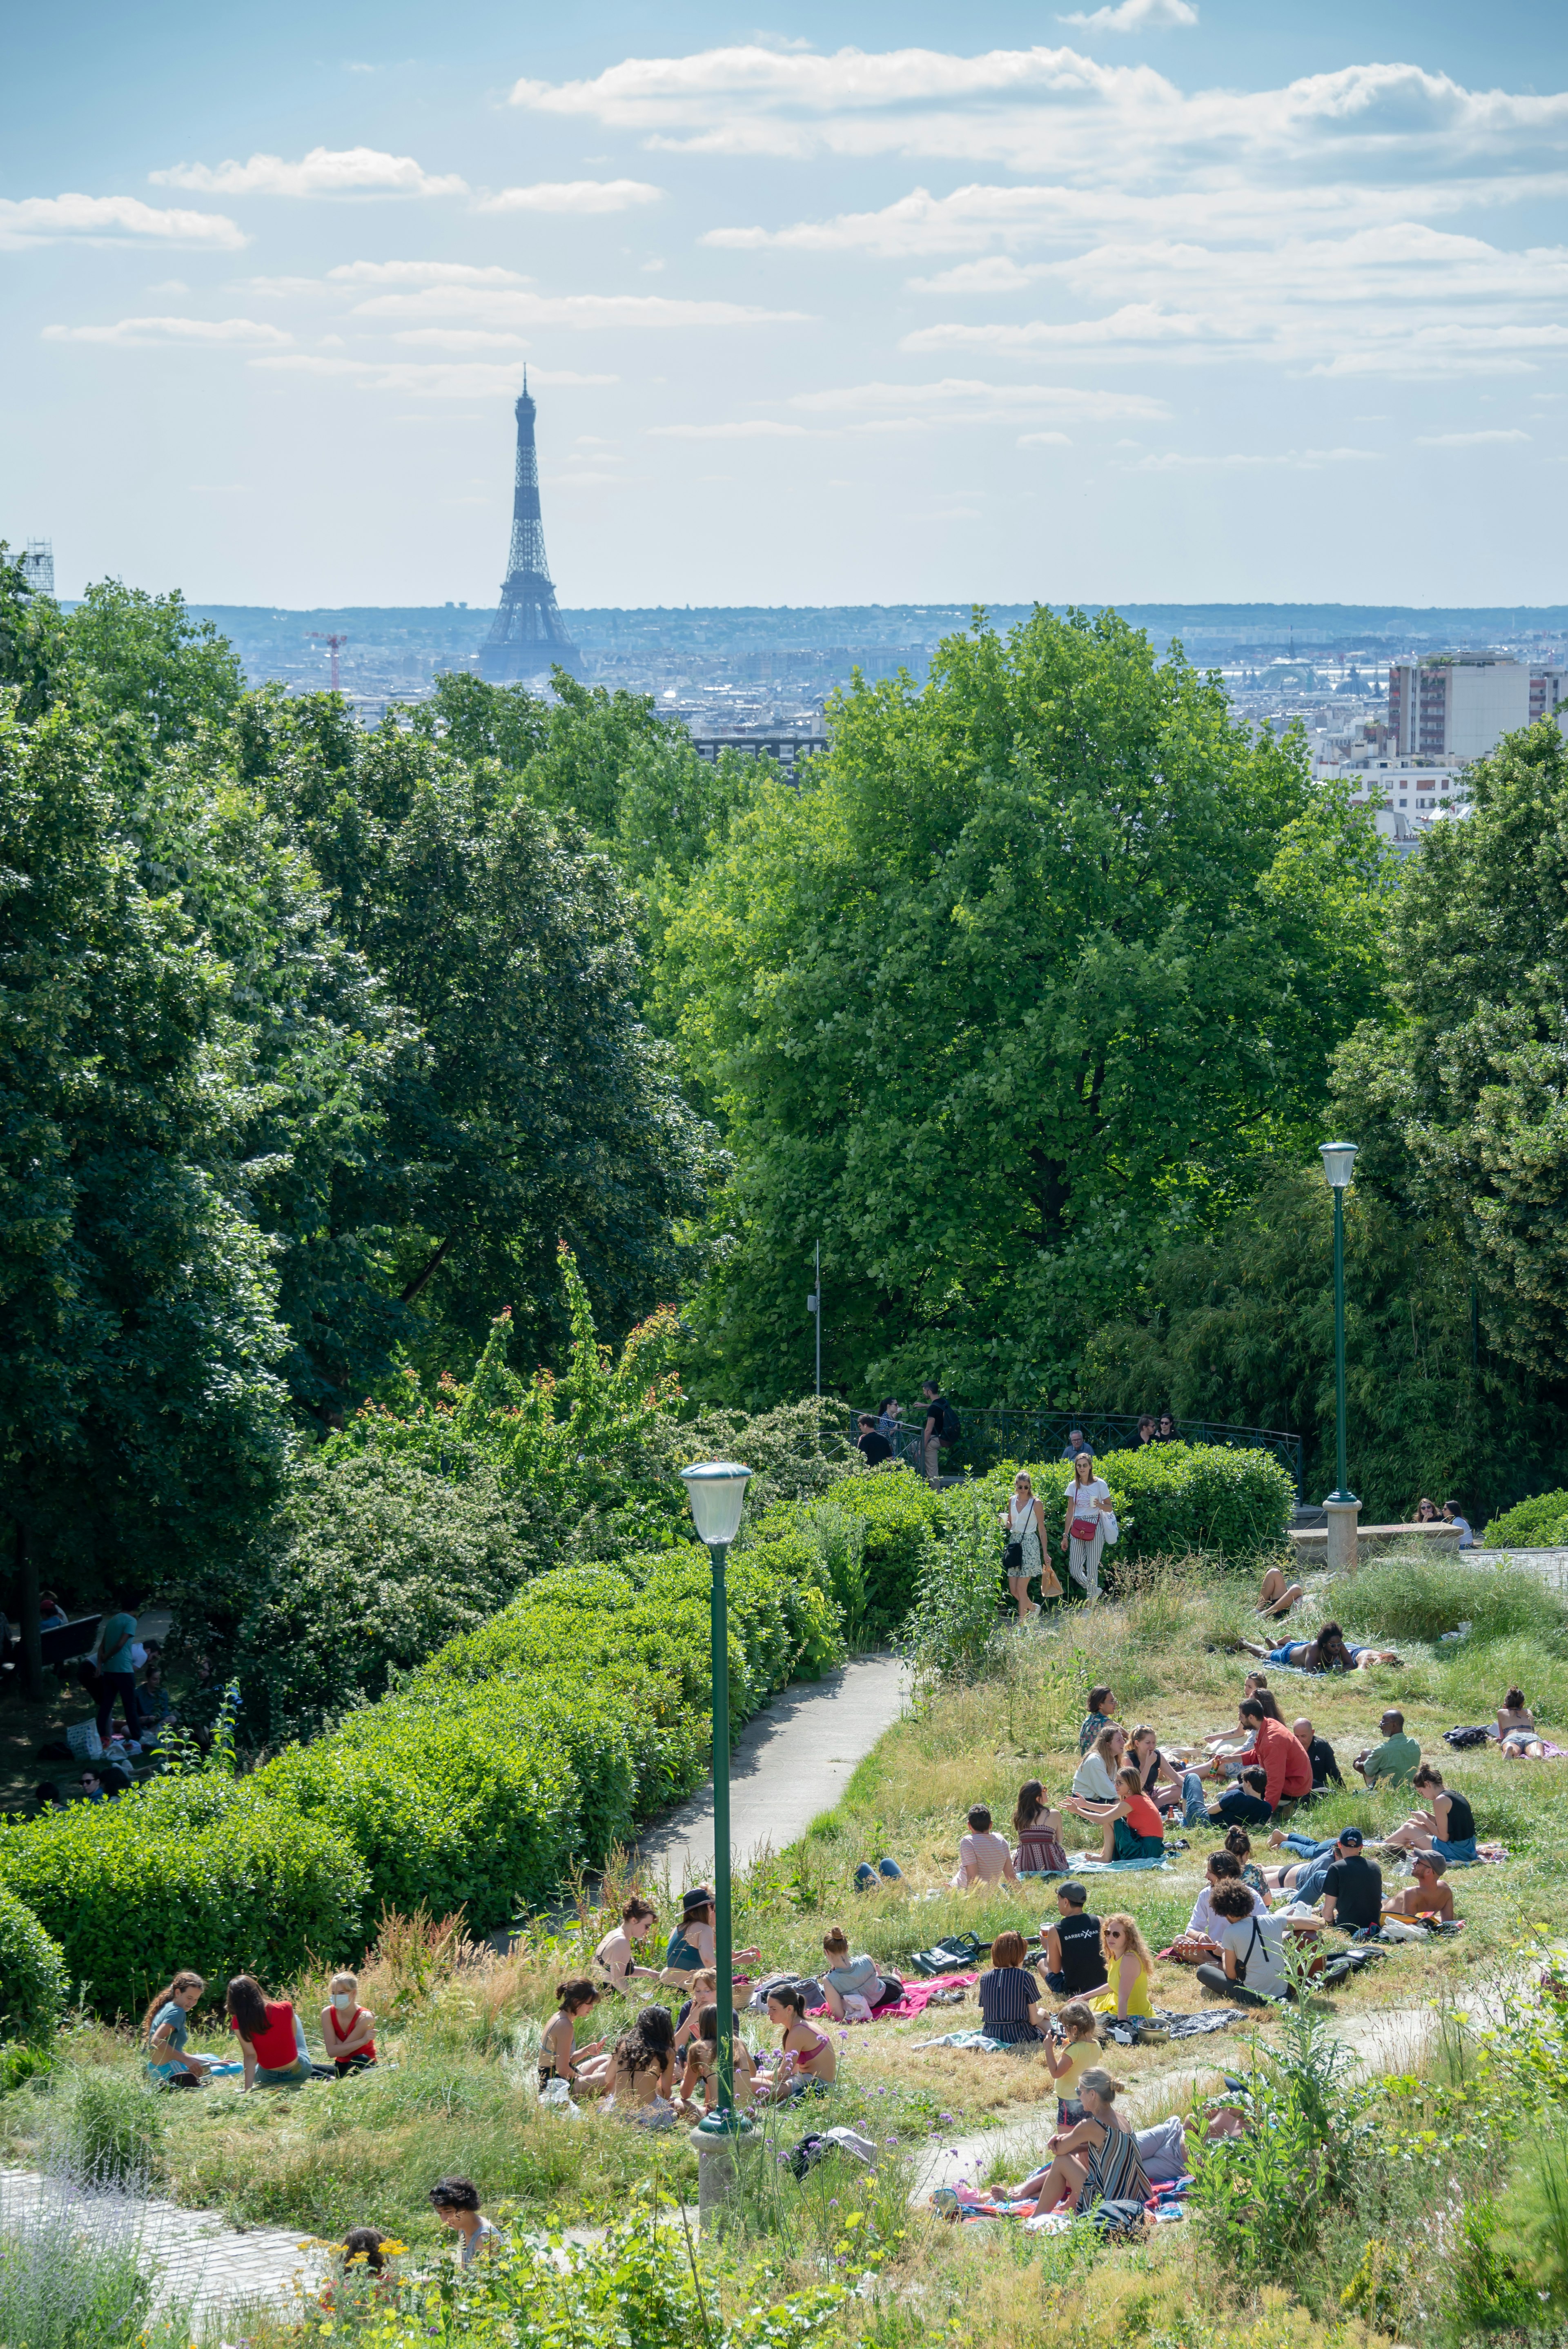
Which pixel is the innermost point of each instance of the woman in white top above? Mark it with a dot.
(1024, 1522)
(1087, 1497)
(1222, 1868)
(1095, 1781)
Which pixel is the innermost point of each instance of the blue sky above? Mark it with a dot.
(1170, 298)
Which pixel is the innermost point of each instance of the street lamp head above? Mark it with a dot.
(716, 1491)
(1338, 1162)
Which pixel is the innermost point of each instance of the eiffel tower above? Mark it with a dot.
(528, 636)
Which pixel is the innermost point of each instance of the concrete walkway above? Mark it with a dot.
(789, 1764)
(205, 2266)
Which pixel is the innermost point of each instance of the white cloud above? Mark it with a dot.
(1298, 460)
(196, 332)
(572, 196)
(1044, 440)
(109, 219)
(458, 338)
(1140, 323)
(417, 272)
(480, 305)
(1465, 439)
(325, 171)
(475, 379)
(752, 428)
(1135, 17)
(954, 397)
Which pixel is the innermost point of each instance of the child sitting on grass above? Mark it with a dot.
(702, 2067)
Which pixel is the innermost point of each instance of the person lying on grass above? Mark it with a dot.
(1096, 2160)
(1245, 1804)
(1068, 2058)
(1304, 1877)
(1277, 1596)
(701, 2071)
(559, 2054)
(1448, 1828)
(1133, 1827)
(1429, 1896)
(1327, 1650)
(1132, 1971)
(615, 1954)
(983, 1856)
(805, 2054)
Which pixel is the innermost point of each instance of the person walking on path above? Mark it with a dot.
(1083, 1533)
(940, 1427)
(116, 1672)
(1023, 1522)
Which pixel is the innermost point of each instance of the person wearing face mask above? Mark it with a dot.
(348, 2029)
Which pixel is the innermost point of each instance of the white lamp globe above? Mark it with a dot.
(716, 1491)
(1338, 1163)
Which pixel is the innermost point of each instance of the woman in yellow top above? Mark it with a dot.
(1129, 1970)
(1067, 2060)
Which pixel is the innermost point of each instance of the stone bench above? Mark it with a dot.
(1310, 1543)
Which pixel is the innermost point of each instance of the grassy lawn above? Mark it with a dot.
(454, 2090)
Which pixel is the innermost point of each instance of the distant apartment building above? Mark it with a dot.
(1460, 707)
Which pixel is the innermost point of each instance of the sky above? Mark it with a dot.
(1156, 300)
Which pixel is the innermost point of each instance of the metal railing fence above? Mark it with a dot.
(991, 1436)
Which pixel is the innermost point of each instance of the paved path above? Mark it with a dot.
(789, 1764)
(205, 2264)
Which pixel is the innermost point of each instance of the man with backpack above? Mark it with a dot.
(941, 1427)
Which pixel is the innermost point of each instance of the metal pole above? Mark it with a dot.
(818, 1320)
(1343, 1492)
(723, 1961)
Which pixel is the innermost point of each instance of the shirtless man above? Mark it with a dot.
(1429, 1896)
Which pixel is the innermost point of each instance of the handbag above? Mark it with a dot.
(1013, 1557)
(1084, 1529)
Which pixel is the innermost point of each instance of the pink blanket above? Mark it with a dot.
(917, 1997)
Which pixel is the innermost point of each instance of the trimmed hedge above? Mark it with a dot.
(900, 1514)
(35, 1987)
(1172, 1499)
(1541, 1523)
(203, 1872)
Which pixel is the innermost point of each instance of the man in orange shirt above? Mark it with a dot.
(1278, 1752)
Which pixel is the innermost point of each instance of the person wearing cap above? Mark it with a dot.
(1353, 1886)
(1305, 1881)
(691, 1947)
(1429, 1896)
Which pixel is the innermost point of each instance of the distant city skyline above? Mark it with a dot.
(1167, 300)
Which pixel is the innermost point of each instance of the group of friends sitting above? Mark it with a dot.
(272, 2048)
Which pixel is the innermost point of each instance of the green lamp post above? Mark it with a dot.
(1338, 1166)
(715, 1492)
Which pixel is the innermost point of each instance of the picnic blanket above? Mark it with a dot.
(1165, 2023)
(1093, 1867)
(1165, 2204)
(917, 1997)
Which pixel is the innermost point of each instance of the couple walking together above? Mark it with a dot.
(1089, 1524)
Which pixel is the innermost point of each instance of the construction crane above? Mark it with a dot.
(319, 635)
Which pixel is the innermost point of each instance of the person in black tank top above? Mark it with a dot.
(1075, 1955)
(1449, 1825)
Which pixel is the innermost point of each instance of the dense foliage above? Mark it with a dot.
(1541, 1523)
(35, 1987)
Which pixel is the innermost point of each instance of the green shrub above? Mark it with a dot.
(379, 1562)
(106, 2127)
(203, 1872)
(901, 1515)
(1396, 1599)
(1538, 1524)
(593, 1588)
(35, 1988)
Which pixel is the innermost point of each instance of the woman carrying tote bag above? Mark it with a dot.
(1089, 1523)
(1023, 1522)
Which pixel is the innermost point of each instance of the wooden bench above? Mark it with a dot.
(1310, 1543)
(61, 1643)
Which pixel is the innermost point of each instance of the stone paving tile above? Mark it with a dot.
(201, 2260)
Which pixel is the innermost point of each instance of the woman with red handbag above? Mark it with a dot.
(1083, 1539)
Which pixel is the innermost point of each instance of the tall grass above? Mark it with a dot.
(72, 2277)
(1421, 1598)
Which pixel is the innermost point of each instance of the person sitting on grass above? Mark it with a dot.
(1239, 1844)
(1168, 1787)
(1397, 1758)
(1320, 1754)
(1094, 1781)
(1277, 1596)
(1352, 1886)
(1221, 1867)
(805, 2055)
(1277, 1753)
(846, 1976)
(692, 1945)
(701, 2067)
(271, 2041)
(456, 2203)
(1448, 1828)
(348, 2029)
(704, 1992)
(641, 2067)
(1132, 1971)
(1253, 1970)
(1429, 1896)
(1066, 2059)
(164, 2027)
(983, 1856)
(49, 1801)
(1133, 1827)
(1074, 1958)
(1039, 1828)
(1009, 1994)
(1100, 1715)
(615, 1955)
(559, 2054)
(1245, 1804)
(1094, 2161)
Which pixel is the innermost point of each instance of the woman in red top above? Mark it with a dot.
(348, 2029)
(1133, 1827)
(266, 2032)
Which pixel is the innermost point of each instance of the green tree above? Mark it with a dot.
(144, 658)
(32, 645)
(140, 1425)
(1460, 1103)
(1034, 956)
